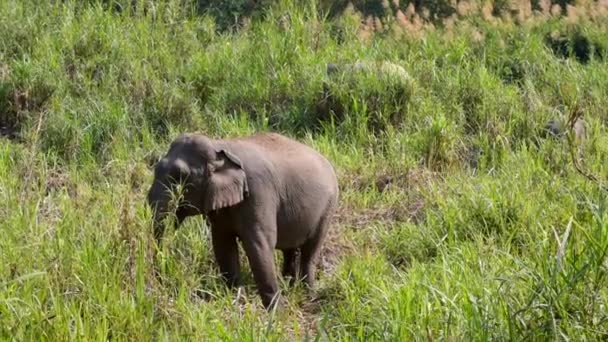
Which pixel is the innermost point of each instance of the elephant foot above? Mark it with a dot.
(272, 302)
(232, 282)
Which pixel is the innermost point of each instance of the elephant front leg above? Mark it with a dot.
(226, 253)
(261, 259)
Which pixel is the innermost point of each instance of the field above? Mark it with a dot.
(458, 220)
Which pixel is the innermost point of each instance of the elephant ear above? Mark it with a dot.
(227, 182)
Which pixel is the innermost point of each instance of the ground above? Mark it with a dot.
(458, 218)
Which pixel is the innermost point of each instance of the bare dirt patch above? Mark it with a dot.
(410, 184)
(409, 180)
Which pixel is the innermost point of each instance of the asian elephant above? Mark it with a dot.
(266, 190)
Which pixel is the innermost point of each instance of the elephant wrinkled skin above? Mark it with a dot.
(266, 190)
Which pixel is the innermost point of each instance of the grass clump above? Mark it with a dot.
(457, 219)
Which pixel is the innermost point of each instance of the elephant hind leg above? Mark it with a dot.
(290, 264)
(311, 250)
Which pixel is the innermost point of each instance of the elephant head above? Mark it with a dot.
(211, 176)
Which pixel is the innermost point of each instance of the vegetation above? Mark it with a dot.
(457, 220)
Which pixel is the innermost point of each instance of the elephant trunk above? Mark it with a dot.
(158, 200)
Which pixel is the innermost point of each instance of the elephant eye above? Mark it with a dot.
(161, 168)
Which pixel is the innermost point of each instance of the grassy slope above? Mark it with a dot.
(514, 248)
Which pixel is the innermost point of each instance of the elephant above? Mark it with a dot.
(265, 190)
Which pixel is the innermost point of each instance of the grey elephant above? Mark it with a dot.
(266, 190)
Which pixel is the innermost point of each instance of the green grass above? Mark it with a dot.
(481, 234)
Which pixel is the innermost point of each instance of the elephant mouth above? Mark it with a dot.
(187, 209)
(181, 210)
